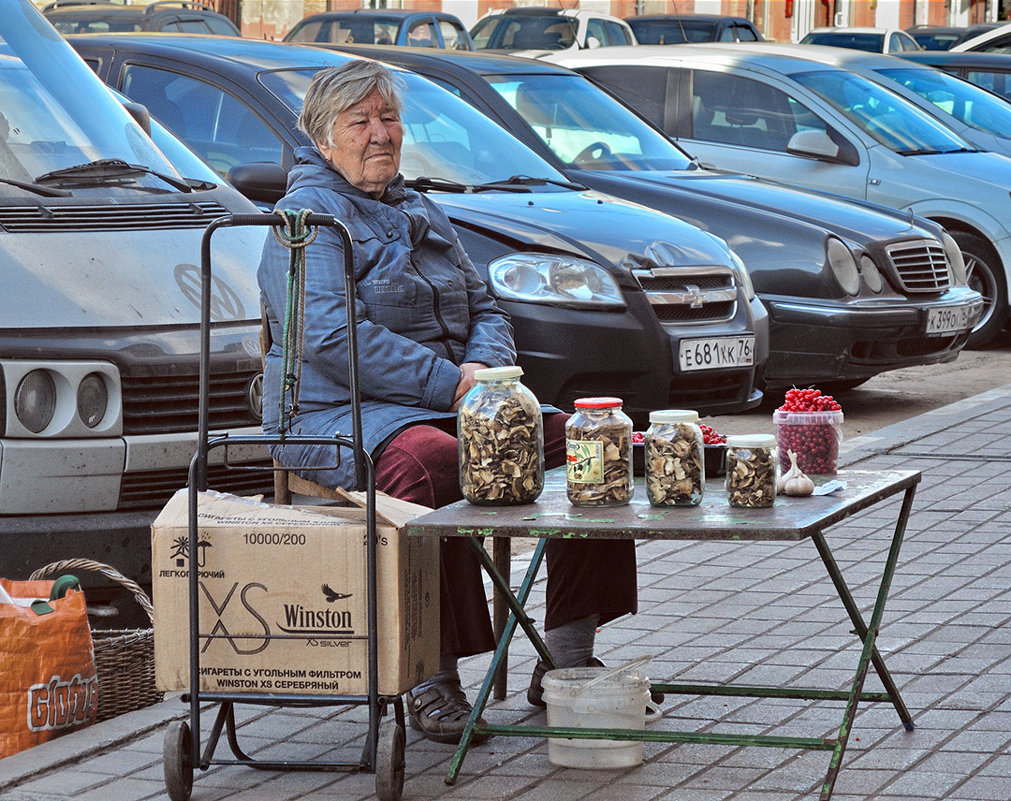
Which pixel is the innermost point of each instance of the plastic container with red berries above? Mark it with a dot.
(809, 424)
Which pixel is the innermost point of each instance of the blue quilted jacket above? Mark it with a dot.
(422, 309)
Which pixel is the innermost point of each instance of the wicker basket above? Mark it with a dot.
(124, 658)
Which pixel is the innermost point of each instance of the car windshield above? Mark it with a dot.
(673, 31)
(524, 32)
(888, 118)
(49, 123)
(584, 126)
(444, 137)
(872, 42)
(964, 101)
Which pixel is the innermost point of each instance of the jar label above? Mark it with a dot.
(584, 461)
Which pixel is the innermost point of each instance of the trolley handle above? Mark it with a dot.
(350, 292)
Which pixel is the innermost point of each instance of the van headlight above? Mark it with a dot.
(60, 399)
(554, 280)
(844, 266)
(35, 400)
(956, 263)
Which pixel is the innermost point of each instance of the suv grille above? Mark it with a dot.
(107, 217)
(689, 294)
(161, 404)
(920, 265)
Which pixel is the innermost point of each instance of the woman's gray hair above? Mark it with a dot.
(336, 89)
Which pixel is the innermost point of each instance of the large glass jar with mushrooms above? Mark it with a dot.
(675, 468)
(598, 453)
(501, 440)
(752, 470)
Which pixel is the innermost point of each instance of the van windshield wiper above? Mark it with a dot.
(107, 169)
(424, 183)
(38, 189)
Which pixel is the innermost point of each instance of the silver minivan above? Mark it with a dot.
(99, 313)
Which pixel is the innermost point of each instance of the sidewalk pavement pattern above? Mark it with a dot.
(759, 613)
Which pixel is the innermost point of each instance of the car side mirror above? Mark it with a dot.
(820, 145)
(259, 180)
(140, 115)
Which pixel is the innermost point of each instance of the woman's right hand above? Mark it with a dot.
(467, 381)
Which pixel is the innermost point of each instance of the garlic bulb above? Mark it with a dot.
(795, 482)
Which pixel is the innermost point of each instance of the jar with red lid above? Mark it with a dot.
(598, 453)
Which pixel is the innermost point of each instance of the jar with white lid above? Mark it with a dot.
(675, 466)
(598, 453)
(752, 470)
(501, 440)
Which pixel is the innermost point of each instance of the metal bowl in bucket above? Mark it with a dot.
(586, 698)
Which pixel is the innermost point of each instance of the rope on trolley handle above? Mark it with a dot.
(295, 235)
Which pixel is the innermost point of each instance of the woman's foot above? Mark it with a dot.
(440, 712)
(535, 692)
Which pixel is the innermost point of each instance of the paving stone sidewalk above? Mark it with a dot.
(758, 613)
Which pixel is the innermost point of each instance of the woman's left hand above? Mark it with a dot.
(467, 370)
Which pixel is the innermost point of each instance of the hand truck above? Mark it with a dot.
(383, 752)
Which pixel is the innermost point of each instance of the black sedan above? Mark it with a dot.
(992, 71)
(606, 297)
(828, 269)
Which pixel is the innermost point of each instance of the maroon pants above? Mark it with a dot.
(585, 577)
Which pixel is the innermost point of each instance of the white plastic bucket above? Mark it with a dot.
(619, 701)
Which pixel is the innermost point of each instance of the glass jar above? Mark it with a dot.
(675, 466)
(752, 470)
(501, 440)
(598, 453)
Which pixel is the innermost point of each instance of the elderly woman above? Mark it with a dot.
(426, 322)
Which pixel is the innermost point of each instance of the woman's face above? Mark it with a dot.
(366, 144)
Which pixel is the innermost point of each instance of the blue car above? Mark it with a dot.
(383, 27)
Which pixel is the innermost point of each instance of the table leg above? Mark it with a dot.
(516, 604)
(867, 632)
(502, 554)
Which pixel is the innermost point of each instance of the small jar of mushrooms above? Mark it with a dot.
(752, 470)
(675, 468)
(598, 453)
(501, 440)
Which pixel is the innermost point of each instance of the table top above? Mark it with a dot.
(553, 516)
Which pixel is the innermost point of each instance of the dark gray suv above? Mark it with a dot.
(177, 16)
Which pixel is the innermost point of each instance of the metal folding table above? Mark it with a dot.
(791, 519)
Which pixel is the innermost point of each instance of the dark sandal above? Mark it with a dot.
(440, 712)
(535, 692)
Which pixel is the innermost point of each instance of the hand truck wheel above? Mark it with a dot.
(178, 761)
(389, 761)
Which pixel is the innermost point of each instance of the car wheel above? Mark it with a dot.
(985, 275)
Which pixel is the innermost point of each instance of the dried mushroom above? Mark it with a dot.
(501, 449)
(674, 465)
(751, 477)
(600, 463)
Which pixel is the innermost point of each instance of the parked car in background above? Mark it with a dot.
(800, 247)
(797, 121)
(996, 40)
(541, 29)
(590, 281)
(942, 37)
(990, 71)
(178, 16)
(100, 312)
(680, 28)
(873, 40)
(383, 27)
(979, 116)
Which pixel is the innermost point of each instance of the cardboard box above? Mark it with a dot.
(283, 589)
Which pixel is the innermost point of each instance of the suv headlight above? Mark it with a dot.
(844, 266)
(742, 275)
(955, 261)
(554, 280)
